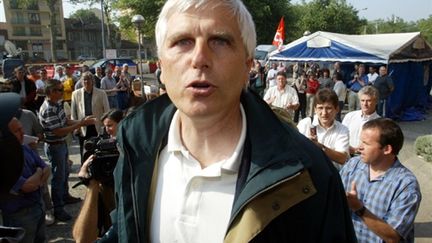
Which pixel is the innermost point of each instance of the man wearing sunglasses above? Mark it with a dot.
(56, 126)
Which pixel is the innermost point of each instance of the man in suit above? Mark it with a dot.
(88, 101)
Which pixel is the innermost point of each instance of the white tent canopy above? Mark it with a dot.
(378, 48)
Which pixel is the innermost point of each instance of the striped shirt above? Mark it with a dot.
(52, 116)
(393, 197)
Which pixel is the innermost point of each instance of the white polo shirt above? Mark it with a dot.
(355, 120)
(193, 205)
(335, 137)
(283, 98)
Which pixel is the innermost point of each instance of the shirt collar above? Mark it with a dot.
(367, 117)
(175, 144)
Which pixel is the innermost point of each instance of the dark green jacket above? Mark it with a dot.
(287, 190)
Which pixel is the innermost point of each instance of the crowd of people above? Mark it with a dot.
(211, 161)
(308, 78)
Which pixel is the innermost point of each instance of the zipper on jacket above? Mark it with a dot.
(258, 194)
(134, 204)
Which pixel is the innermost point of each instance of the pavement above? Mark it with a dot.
(423, 172)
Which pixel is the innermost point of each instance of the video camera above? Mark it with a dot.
(106, 156)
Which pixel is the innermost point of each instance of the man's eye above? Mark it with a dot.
(220, 42)
(183, 42)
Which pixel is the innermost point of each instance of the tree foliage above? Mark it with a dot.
(328, 15)
(267, 14)
(391, 25)
(315, 15)
(425, 26)
(85, 16)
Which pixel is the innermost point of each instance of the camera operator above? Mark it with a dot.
(94, 220)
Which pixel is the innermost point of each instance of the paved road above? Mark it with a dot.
(423, 171)
(61, 232)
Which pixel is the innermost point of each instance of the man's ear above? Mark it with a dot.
(388, 149)
(249, 63)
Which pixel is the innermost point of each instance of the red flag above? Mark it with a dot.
(280, 34)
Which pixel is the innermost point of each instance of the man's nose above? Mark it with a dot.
(201, 55)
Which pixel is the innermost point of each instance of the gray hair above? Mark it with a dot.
(370, 91)
(86, 75)
(238, 9)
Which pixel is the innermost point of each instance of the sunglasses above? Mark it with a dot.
(59, 90)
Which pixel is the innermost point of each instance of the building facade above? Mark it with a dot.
(28, 27)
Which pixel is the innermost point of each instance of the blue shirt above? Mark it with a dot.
(31, 162)
(393, 197)
(355, 86)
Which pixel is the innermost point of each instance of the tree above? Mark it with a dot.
(329, 15)
(425, 26)
(267, 14)
(85, 16)
(108, 8)
(393, 25)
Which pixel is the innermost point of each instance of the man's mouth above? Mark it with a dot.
(200, 85)
(201, 88)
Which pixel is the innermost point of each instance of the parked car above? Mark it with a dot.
(104, 63)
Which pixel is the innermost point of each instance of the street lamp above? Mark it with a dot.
(138, 21)
(103, 30)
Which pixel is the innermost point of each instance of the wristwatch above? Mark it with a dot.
(360, 212)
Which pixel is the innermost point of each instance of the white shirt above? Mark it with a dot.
(193, 205)
(340, 90)
(335, 137)
(372, 77)
(271, 77)
(283, 98)
(23, 91)
(355, 120)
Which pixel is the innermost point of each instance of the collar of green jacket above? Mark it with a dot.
(273, 151)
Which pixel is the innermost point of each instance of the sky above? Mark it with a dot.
(408, 10)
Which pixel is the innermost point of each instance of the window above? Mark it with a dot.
(37, 47)
(35, 31)
(34, 18)
(19, 31)
(13, 4)
(21, 44)
(59, 45)
(58, 31)
(19, 18)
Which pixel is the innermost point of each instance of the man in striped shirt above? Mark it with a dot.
(56, 126)
(384, 195)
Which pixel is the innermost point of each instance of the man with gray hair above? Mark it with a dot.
(354, 120)
(209, 161)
